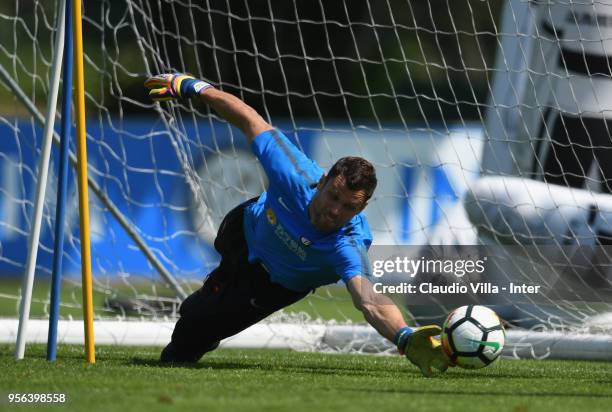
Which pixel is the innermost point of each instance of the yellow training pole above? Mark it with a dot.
(82, 178)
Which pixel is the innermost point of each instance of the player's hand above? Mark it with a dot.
(425, 351)
(165, 87)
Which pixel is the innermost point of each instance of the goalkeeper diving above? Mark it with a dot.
(307, 230)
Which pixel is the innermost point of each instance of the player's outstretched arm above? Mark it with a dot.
(166, 87)
(419, 344)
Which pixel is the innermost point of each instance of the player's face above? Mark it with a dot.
(334, 204)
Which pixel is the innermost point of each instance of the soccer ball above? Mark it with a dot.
(473, 336)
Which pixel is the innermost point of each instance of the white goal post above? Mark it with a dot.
(487, 123)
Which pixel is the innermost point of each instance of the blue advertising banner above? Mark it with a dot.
(175, 186)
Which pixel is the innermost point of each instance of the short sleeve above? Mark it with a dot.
(288, 169)
(352, 260)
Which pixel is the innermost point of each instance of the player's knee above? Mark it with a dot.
(177, 353)
(191, 306)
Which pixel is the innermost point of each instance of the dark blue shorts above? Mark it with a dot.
(235, 295)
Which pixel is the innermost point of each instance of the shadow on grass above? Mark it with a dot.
(320, 368)
(316, 369)
(64, 352)
(455, 393)
(289, 366)
(8, 352)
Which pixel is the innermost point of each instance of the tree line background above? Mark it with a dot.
(390, 60)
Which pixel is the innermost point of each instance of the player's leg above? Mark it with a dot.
(189, 339)
(236, 295)
(189, 342)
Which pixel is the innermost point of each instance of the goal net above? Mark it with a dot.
(487, 123)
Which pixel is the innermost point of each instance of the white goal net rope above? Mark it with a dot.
(487, 123)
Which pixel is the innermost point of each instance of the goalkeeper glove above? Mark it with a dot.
(165, 87)
(422, 349)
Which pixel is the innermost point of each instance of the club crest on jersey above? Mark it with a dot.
(271, 216)
(305, 241)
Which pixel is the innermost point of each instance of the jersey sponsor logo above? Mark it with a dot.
(291, 244)
(282, 203)
(285, 237)
(271, 216)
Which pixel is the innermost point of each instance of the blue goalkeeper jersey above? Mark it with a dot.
(278, 230)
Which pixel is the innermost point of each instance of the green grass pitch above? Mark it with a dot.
(131, 379)
(329, 302)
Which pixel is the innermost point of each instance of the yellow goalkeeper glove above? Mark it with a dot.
(165, 87)
(422, 349)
